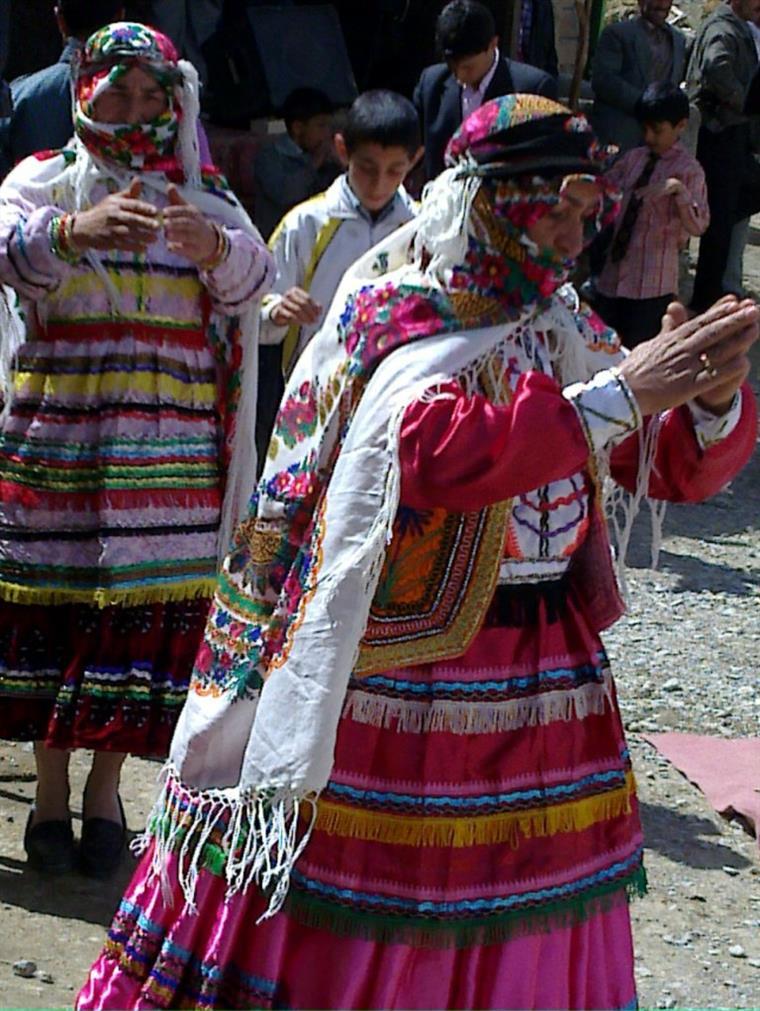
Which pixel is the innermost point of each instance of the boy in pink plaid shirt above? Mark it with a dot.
(664, 202)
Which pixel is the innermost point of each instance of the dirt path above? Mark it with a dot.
(696, 618)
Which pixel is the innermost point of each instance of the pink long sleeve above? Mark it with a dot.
(27, 261)
(247, 274)
(464, 453)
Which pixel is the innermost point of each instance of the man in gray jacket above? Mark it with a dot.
(41, 116)
(723, 64)
(630, 55)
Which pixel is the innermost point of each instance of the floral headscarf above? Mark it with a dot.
(525, 151)
(509, 164)
(106, 57)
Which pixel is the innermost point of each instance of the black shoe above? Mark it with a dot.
(102, 845)
(49, 845)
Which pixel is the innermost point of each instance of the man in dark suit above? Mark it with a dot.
(474, 73)
(630, 55)
(41, 116)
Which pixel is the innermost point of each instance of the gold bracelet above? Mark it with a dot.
(221, 250)
(68, 234)
(61, 238)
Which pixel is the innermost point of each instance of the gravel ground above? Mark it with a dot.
(685, 658)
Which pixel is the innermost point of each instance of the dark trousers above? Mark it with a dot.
(270, 390)
(724, 156)
(635, 319)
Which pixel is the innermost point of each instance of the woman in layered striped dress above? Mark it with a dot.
(136, 274)
(400, 779)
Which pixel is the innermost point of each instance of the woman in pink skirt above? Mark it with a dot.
(400, 779)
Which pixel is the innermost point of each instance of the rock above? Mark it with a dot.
(24, 968)
(678, 942)
(736, 951)
(667, 1002)
(672, 685)
(731, 871)
(754, 962)
(43, 977)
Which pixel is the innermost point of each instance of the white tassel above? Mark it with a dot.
(12, 334)
(262, 841)
(622, 507)
(187, 141)
(464, 718)
(443, 222)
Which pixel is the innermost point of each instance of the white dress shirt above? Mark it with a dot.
(472, 98)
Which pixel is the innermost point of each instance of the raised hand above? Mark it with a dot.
(119, 221)
(704, 358)
(188, 232)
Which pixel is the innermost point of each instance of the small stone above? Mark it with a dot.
(43, 977)
(642, 971)
(672, 685)
(667, 1002)
(678, 942)
(754, 962)
(731, 871)
(696, 897)
(25, 968)
(736, 951)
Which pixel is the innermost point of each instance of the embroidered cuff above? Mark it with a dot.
(710, 428)
(606, 407)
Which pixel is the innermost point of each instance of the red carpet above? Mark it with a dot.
(726, 771)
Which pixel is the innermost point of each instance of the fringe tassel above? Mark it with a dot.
(443, 222)
(508, 827)
(189, 147)
(621, 508)
(12, 335)
(250, 838)
(192, 589)
(478, 717)
(448, 933)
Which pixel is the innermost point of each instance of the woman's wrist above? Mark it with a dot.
(220, 253)
(717, 409)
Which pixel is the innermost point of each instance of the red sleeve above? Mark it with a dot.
(682, 471)
(463, 453)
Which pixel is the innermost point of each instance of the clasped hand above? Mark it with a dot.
(703, 359)
(123, 221)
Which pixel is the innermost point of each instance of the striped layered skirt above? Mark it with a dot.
(476, 846)
(110, 490)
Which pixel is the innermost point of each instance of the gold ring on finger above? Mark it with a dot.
(707, 366)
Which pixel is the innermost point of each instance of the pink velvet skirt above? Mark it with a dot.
(167, 957)
(475, 847)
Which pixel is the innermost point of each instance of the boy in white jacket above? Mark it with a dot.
(318, 240)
